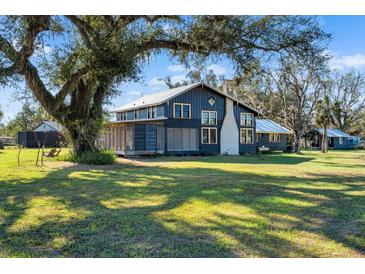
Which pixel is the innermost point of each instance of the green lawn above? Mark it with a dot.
(274, 205)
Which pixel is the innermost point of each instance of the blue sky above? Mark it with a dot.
(347, 47)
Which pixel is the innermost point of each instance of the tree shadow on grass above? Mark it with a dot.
(149, 211)
(272, 158)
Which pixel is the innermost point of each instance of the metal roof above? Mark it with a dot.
(269, 126)
(334, 132)
(52, 124)
(163, 96)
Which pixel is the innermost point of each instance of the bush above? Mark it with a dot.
(104, 157)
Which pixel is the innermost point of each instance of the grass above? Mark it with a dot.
(271, 205)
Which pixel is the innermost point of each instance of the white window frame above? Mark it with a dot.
(151, 112)
(209, 112)
(340, 140)
(244, 132)
(244, 122)
(209, 135)
(182, 110)
(136, 114)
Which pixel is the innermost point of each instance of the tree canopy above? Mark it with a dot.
(74, 64)
(348, 96)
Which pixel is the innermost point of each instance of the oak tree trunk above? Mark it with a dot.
(324, 147)
(297, 145)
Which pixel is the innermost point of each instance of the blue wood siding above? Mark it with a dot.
(198, 99)
(346, 144)
(245, 148)
(145, 137)
(263, 140)
(151, 137)
(140, 137)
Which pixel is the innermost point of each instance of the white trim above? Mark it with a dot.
(245, 130)
(209, 138)
(246, 120)
(209, 111)
(268, 132)
(138, 120)
(182, 110)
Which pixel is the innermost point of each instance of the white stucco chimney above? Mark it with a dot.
(225, 87)
(229, 132)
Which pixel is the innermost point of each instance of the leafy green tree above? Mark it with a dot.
(193, 76)
(288, 93)
(27, 119)
(324, 119)
(87, 57)
(348, 96)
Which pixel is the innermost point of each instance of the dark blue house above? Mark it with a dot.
(336, 138)
(187, 120)
(271, 136)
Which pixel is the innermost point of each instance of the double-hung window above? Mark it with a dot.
(209, 135)
(209, 117)
(182, 111)
(246, 136)
(274, 137)
(246, 119)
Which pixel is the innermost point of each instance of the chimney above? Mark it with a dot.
(225, 87)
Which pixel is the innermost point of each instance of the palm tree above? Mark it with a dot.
(324, 119)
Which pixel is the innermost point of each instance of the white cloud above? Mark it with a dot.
(47, 49)
(156, 84)
(135, 93)
(178, 78)
(176, 68)
(349, 61)
(217, 69)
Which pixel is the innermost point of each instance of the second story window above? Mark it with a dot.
(209, 117)
(152, 112)
(136, 114)
(246, 119)
(182, 111)
(122, 116)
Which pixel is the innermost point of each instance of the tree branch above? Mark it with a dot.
(86, 31)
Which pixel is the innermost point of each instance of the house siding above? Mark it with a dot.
(264, 141)
(198, 99)
(346, 144)
(245, 148)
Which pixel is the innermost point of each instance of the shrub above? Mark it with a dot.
(102, 157)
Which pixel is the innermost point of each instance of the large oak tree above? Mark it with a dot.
(74, 64)
(348, 95)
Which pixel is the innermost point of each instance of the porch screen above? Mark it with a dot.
(182, 139)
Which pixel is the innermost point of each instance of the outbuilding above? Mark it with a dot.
(271, 136)
(47, 134)
(336, 139)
